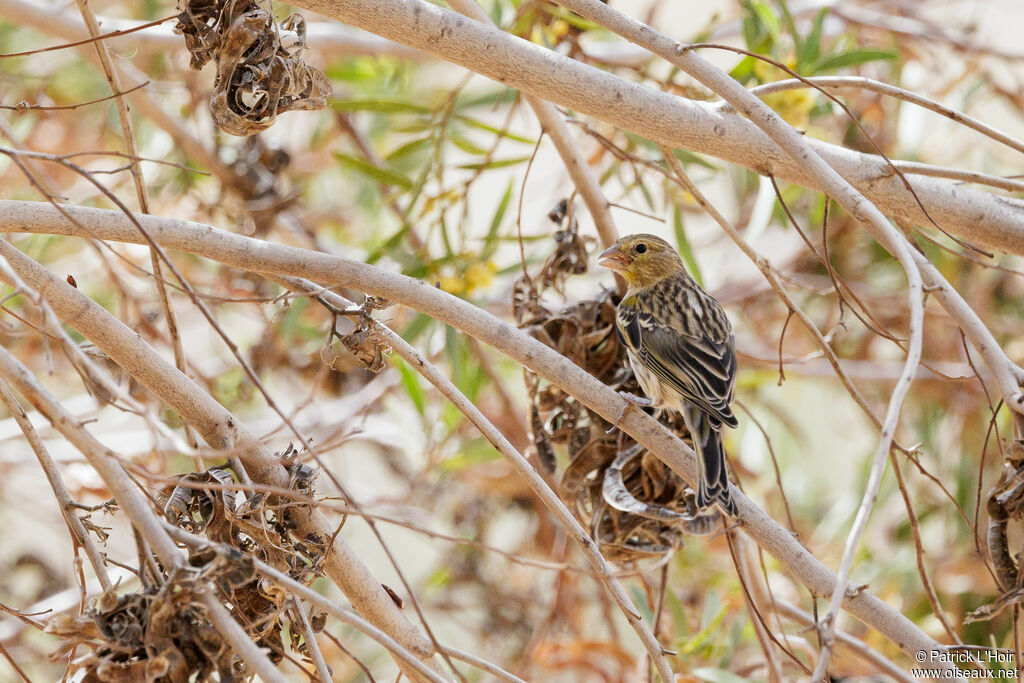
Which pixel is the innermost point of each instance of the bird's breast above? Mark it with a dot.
(653, 387)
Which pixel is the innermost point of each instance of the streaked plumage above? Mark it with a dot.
(681, 348)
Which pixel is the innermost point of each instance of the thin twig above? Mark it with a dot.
(86, 41)
(552, 123)
(668, 119)
(306, 593)
(142, 516)
(220, 429)
(746, 575)
(79, 534)
(519, 462)
(482, 664)
(313, 648)
(24, 106)
(251, 254)
(855, 645)
(139, 181)
(844, 194)
(861, 83)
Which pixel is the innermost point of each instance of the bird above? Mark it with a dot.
(682, 349)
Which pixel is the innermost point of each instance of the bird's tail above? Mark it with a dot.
(713, 486)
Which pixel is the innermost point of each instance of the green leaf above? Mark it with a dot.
(388, 245)
(769, 19)
(685, 250)
(712, 619)
(640, 602)
(466, 145)
(572, 18)
(411, 382)
(418, 326)
(751, 27)
(439, 579)
(378, 104)
(744, 70)
(854, 58)
(365, 168)
(473, 453)
(787, 19)
(809, 50)
(641, 141)
(646, 194)
(760, 26)
(491, 99)
(491, 242)
(408, 149)
(474, 123)
(690, 158)
(417, 126)
(677, 610)
(494, 163)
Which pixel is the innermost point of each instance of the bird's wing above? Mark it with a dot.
(698, 362)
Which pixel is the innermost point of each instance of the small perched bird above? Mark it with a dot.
(681, 348)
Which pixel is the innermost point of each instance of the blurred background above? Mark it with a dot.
(423, 168)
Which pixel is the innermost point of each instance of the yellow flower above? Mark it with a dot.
(559, 27)
(766, 72)
(479, 275)
(792, 105)
(451, 284)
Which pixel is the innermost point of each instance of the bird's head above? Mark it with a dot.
(641, 259)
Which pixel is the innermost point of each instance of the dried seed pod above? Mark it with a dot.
(636, 507)
(258, 77)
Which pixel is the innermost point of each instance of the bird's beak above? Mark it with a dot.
(613, 258)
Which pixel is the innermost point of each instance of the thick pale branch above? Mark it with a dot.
(255, 255)
(540, 488)
(860, 83)
(994, 221)
(143, 519)
(834, 185)
(583, 177)
(218, 428)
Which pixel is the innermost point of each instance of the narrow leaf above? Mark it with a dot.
(381, 105)
(491, 242)
(854, 58)
(495, 163)
(685, 250)
(474, 123)
(411, 382)
(365, 168)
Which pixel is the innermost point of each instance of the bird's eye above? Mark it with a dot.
(641, 248)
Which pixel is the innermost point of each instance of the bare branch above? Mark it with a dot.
(573, 528)
(258, 256)
(671, 120)
(135, 506)
(861, 83)
(79, 534)
(551, 121)
(220, 429)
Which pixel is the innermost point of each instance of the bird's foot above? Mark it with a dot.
(632, 401)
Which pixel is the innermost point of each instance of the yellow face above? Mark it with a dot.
(641, 259)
